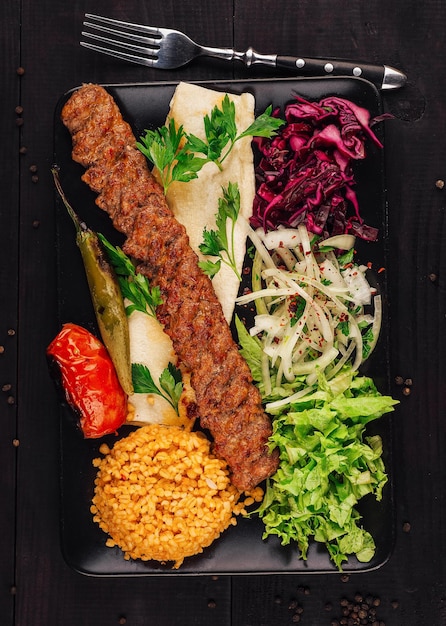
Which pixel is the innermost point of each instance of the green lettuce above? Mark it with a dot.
(250, 349)
(327, 464)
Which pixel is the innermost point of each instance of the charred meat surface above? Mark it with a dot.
(229, 405)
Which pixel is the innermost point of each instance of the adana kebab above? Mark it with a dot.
(228, 403)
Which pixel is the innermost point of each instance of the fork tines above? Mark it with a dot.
(116, 36)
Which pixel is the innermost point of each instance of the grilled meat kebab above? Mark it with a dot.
(228, 403)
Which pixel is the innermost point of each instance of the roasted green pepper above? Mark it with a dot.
(105, 293)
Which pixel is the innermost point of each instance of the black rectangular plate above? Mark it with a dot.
(240, 550)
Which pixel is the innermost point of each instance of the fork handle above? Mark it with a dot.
(383, 76)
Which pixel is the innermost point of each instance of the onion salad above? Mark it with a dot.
(316, 311)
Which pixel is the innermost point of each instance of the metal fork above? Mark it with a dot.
(164, 48)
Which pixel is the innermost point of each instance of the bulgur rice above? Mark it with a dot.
(161, 495)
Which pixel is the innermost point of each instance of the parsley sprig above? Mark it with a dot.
(170, 383)
(167, 149)
(216, 243)
(175, 153)
(297, 308)
(134, 286)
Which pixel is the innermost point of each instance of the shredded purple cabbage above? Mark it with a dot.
(305, 173)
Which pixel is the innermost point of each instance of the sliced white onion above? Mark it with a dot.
(358, 285)
(340, 242)
(321, 363)
(313, 342)
(281, 238)
(377, 321)
(342, 361)
(268, 323)
(284, 401)
(332, 274)
(287, 257)
(257, 242)
(266, 377)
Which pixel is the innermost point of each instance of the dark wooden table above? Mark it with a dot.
(41, 59)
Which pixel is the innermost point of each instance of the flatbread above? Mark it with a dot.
(195, 203)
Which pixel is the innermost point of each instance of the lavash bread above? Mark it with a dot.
(151, 346)
(195, 204)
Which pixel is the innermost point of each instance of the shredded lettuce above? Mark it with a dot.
(327, 464)
(251, 350)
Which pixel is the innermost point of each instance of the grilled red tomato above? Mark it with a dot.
(89, 380)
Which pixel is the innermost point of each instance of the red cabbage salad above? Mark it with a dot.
(305, 174)
(317, 320)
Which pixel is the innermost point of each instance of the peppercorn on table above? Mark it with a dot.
(41, 60)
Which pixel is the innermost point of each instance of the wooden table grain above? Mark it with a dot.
(40, 59)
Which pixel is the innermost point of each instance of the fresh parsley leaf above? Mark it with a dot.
(346, 258)
(170, 383)
(131, 291)
(122, 265)
(344, 327)
(174, 153)
(265, 125)
(160, 146)
(212, 243)
(367, 341)
(216, 242)
(185, 169)
(166, 148)
(297, 308)
(196, 145)
(229, 204)
(134, 287)
(209, 267)
(221, 130)
(142, 379)
(226, 118)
